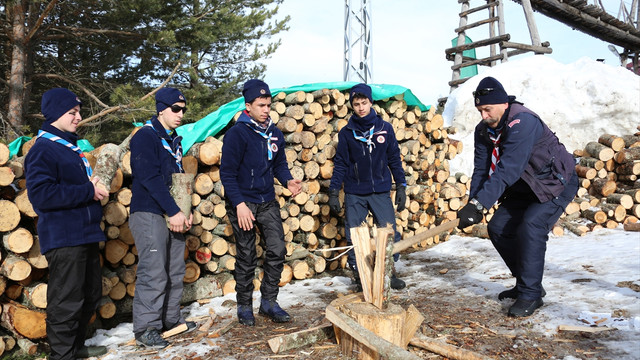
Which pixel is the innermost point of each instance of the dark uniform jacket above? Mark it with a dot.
(529, 150)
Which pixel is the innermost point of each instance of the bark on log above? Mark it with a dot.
(23, 322)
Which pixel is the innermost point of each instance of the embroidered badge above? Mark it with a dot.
(514, 122)
(180, 97)
(380, 139)
(477, 101)
(263, 91)
(274, 147)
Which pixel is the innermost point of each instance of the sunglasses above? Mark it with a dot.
(482, 92)
(176, 108)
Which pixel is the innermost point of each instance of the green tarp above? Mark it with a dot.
(15, 145)
(467, 71)
(211, 124)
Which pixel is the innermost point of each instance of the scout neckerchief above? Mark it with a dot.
(366, 139)
(177, 154)
(49, 136)
(495, 154)
(257, 128)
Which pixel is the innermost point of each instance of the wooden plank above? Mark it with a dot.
(526, 47)
(175, 331)
(483, 61)
(444, 349)
(222, 329)
(589, 329)
(406, 243)
(300, 338)
(479, 8)
(477, 44)
(386, 349)
(412, 322)
(476, 24)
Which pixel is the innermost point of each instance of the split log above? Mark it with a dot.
(301, 338)
(206, 287)
(442, 348)
(107, 161)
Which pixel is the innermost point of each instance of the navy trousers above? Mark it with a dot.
(75, 286)
(519, 231)
(357, 208)
(269, 223)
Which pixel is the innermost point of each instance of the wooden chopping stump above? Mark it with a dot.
(387, 323)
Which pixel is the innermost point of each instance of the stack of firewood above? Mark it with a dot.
(310, 123)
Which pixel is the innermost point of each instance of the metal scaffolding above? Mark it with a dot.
(357, 41)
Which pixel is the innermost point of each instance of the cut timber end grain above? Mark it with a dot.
(616, 143)
(9, 215)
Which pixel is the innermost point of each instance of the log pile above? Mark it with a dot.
(310, 123)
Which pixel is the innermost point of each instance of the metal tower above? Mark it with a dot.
(357, 41)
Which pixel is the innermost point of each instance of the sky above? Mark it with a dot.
(408, 38)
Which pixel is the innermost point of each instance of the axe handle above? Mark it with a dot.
(406, 243)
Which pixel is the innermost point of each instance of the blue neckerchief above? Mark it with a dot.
(176, 141)
(49, 136)
(366, 139)
(256, 127)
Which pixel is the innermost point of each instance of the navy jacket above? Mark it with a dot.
(151, 169)
(246, 171)
(61, 194)
(528, 151)
(362, 171)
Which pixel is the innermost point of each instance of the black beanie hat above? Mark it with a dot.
(363, 89)
(166, 97)
(490, 91)
(56, 102)
(254, 89)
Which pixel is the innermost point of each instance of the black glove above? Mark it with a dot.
(334, 202)
(468, 216)
(401, 197)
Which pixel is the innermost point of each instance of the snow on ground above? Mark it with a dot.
(579, 101)
(581, 275)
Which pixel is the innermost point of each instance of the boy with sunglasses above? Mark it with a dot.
(521, 164)
(252, 155)
(156, 153)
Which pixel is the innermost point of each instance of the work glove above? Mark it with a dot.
(469, 215)
(334, 202)
(401, 197)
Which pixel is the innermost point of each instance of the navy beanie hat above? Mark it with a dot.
(363, 89)
(490, 91)
(166, 97)
(254, 89)
(56, 102)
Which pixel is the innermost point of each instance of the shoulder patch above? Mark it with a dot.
(514, 122)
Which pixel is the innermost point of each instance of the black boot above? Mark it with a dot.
(513, 294)
(396, 283)
(523, 308)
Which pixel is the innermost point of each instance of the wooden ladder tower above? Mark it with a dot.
(501, 49)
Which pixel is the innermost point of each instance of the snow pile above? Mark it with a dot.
(579, 101)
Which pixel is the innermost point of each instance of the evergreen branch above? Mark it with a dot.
(40, 20)
(84, 89)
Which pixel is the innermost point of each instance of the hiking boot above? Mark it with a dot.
(90, 351)
(151, 338)
(245, 315)
(397, 283)
(271, 309)
(513, 294)
(524, 308)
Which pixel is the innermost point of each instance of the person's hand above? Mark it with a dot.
(179, 222)
(401, 197)
(295, 186)
(189, 222)
(245, 217)
(99, 192)
(334, 202)
(468, 216)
